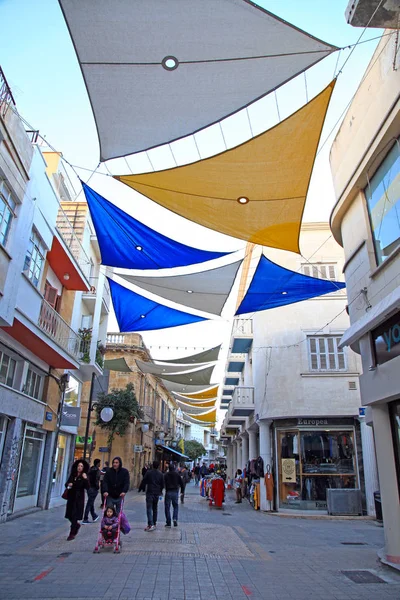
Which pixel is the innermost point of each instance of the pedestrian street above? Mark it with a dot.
(228, 554)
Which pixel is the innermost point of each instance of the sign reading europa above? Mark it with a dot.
(386, 339)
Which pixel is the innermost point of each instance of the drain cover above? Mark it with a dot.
(363, 577)
(354, 543)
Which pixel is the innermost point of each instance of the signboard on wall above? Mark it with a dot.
(386, 339)
(137, 448)
(288, 470)
(71, 416)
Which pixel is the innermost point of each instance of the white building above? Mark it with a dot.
(293, 394)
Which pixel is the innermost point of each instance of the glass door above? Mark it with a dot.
(30, 469)
(59, 476)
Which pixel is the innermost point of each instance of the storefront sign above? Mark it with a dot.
(71, 416)
(49, 416)
(288, 470)
(104, 449)
(386, 340)
(137, 448)
(313, 422)
(361, 411)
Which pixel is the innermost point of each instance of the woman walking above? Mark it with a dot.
(76, 485)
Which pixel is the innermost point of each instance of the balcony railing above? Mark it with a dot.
(94, 282)
(242, 327)
(59, 331)
(115, 338)
(67, 232)
(6, 97)
(148, 413)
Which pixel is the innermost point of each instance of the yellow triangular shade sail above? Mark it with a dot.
(193, 409)
(203, 395)
(270, 174)
(208, 417)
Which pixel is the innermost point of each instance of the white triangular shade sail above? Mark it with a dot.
(193, 410)
(182, 388)
(149, 367)
(156, 71)
(206, 291)
(199, 377)
(202, 357)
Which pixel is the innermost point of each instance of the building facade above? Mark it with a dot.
(44, 273)
(365, 163)
(292, 395)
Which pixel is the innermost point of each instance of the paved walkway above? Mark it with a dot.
(230, 554)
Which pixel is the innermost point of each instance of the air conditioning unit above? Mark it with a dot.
(344, 501)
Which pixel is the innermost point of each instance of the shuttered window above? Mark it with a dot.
(320, 270)
(325, 355)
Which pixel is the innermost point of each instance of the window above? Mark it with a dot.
(33, 384)
(72, 392)
(7, 369)
(325, 355)
(320, 270)
(34, 258)
(7, 208)
(383, 200)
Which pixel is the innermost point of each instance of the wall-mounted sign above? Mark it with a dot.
(49, 416)
(137, 448)
(313, 422)
(104, 449)
(386, 339)
(361, 411)
(71, 416)
(80, 439)
(288, 470)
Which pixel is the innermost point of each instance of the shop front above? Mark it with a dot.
(313, 455)
(394, 412)
(30, 468)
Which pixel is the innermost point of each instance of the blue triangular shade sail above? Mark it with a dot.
(273, 285)
(127, 243)
(137, 313)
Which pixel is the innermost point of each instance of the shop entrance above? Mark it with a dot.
(30, 469)
(59, 475)
(312, 461)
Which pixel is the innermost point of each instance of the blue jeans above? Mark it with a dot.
(152, 508)
(114, 503)
(171, 496)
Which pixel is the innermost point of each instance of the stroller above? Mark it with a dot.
(115, 540)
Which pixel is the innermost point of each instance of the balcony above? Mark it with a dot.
(90, 297)
(236, 365)
(148, 414)
(242, 336)
(6, 97)
(242, 402)
(71, 245)
(54, 326)
(131, 340)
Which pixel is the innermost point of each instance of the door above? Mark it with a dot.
(59, 475)
(30, 469)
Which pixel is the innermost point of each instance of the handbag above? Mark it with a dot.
(64, 495)
(124, 525)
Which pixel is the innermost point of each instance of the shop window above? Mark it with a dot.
(383, 201)
(34, 259)
(33, 384)
(325, 355)
(320, 270)
(29, 474)
(7, 369)
(72, 392)
(310, 462)
(7, 211)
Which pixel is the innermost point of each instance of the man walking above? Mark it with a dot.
(153, 485)
(94, 485)
(185, 480)
(116, 484)
(196, 472)
(173, 482)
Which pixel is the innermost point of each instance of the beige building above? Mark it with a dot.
(293, 395)
(365, 162)
(144, 439)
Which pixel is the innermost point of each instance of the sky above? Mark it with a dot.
(39, 61)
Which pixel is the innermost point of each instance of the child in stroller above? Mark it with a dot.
(109, 525)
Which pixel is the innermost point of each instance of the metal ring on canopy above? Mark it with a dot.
(166, 63)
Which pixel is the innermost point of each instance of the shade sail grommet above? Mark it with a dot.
(243, 200)
(170, 63)
(142, 316)
(189, 291)
(139, 248)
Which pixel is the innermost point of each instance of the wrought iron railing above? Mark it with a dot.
(242, 327)
(6, 97)
(53, 325)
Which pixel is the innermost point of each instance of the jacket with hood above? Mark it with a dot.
(116, 482)
(152, 482)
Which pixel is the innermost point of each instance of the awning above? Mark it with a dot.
(273, 285)
(173, 451)
(198, 403)
(204, 394)
(117, 364)
(194, 410)
(206, 290)
(205, 419)
(156, 71)
(255, 191)
(199, 377)
(161, 370)
(129, 244)
(137, 313)
(202, 357)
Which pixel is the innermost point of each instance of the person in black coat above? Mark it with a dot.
(76, 484)
(116, 484)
